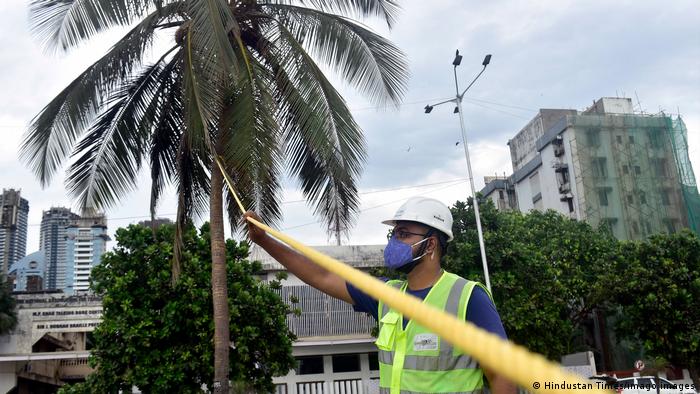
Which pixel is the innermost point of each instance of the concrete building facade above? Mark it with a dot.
(606, 165)
(49, 346)
(13, 228)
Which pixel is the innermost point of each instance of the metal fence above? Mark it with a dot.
(323, 315)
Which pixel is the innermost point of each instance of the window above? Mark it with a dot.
(600, 167)
(603, 197)
(625, 169)
(562, 175)
(660, 167)
(631, 139)
(630, 199)
(373, 361)
(571, 204)
(637, 170)
(593, 137)
(346, 362)
(535, 183)
(642, 198)
(665, 197)
(500, 194)
(656, 138)
(309, 365)
(619, 139)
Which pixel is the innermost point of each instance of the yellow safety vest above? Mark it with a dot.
(415, 360)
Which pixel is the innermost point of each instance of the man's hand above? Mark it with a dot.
(255, 233)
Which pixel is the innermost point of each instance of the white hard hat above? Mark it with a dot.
(428, 211)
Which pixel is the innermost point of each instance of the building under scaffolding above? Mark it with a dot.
(607, 166)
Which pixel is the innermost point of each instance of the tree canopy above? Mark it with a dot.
(8, 313)
(157, 337)
(656, 289)
(544, 268)
(551, 275)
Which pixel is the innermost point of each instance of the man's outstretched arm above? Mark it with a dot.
(298, 264)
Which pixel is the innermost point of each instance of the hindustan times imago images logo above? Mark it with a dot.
(616, 386)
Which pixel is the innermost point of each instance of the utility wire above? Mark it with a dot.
(297, 201)
(376, 206)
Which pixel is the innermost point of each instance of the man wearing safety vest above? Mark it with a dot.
(411, 358)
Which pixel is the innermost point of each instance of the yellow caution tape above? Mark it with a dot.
(530, 370)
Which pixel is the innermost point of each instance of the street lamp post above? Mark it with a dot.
(458, 109)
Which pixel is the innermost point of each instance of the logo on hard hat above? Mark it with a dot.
(438, 217)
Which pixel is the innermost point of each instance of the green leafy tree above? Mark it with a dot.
(8, 313)
(155, 336)
(657, 290)
(545, 272)
(241, 80)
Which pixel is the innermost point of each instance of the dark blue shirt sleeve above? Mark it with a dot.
(482, 313)
(363, 302)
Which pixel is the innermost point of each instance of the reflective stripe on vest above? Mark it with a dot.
(414, 360)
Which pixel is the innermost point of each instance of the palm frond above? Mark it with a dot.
(52, 133)
(209, 61)
(167, 132)
(65, 23)
(363, 58)
(212, 22)
(111, 152)
(387, 10)
(325, 145)
(251, 141)
(193, 188)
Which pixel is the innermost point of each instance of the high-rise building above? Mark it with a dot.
(52, 242)
(606, 165)
(86, 241)
(13, 228)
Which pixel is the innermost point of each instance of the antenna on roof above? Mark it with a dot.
(639, 103)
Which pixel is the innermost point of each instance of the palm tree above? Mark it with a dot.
(240, 81)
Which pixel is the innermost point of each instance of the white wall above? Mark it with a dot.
(523, 191)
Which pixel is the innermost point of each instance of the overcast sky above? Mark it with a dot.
(546, 54)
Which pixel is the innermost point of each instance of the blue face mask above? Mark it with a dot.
(398, 254)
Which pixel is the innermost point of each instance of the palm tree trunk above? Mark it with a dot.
(218, 283)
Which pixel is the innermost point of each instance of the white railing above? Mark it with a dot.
(323, 315)
(348, 386)
(312, 388)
